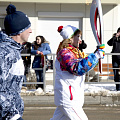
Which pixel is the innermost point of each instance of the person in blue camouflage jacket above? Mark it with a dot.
(17, 31)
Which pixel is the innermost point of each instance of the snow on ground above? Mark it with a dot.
(101, 90)
(93, 90)
(91, 87)
(90, 90)
(98, 87)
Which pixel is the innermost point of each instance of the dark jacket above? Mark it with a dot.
(115, 42)
(26, 58)
(82, 46)
(45, 48)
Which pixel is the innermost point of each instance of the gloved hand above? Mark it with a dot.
(100, 53)
(102, 46)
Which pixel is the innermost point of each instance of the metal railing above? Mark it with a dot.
(53, 56)
(107, 61)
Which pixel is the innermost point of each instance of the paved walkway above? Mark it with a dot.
(94, 112)
(89, 100)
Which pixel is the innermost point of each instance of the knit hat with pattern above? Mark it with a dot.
(67, 32)
(15, 22)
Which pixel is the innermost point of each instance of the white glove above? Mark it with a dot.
(99, 54)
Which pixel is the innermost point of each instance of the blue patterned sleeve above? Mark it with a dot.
(77, 67)
(87, 64)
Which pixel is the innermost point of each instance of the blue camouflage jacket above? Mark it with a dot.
(11, 77)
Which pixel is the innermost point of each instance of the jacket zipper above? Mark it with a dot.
(71, 96)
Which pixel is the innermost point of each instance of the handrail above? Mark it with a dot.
(54, 57)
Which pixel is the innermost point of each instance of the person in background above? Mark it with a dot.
(82, 45)
(71, 65)
(26, 58)
(115, 43)
(17, 31)
(40, 48)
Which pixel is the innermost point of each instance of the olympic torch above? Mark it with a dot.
(96, 12)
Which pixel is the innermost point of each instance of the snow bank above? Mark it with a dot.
(90, 90)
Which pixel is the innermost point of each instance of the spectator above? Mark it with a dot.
(71, 66)
(115, 42)
(40, 48)
(26, 58)
(17, 29)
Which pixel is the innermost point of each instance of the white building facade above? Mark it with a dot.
(47, 15)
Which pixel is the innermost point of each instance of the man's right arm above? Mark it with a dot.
(111, 41)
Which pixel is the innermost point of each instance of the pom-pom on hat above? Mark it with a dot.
(15, 22)
(67, 32)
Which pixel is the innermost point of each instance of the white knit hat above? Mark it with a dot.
(67, 32)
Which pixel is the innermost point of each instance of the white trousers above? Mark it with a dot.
(69, 113)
